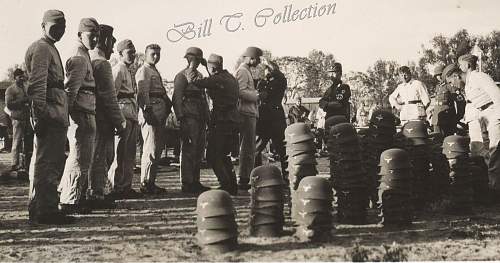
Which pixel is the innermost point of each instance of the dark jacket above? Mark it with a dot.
(335, 101)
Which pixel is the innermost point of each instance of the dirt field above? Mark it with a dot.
(163, 229)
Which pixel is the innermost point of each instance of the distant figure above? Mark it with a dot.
(298, 113)
(335, 101)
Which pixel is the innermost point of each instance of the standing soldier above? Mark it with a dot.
(335, 101)
(191, 109)
(444, 116)
(121, 171)
(154, 107)
(50, 118)
(271, 124)
(410, 97)
(223, 90)
(484, 95)
(249, 114)
(108, 118)
(17, 102)
(80, 86)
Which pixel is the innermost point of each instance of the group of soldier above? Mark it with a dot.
(101, 109)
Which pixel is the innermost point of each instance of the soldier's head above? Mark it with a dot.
(126, 51)
(299, 101)
(453, 76)
(438, 70)
(19, 76)
(54, 24)
(336, 72)
(252, 56)
(215, 64)
(106, 40)
(271, 67)
(405, 74)
(88, 32)
(467, 62)
(194, 56)
(152, 54)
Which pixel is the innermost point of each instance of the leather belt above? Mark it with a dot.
(125, 96)
(443, 103)
(485, 106)
(413, 102)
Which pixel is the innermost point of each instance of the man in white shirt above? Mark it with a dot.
(410, 97)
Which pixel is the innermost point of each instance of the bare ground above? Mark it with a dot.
(163, 229)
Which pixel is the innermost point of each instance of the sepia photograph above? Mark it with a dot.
(249, 131)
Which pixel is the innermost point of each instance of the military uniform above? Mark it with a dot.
(151, 94)
(108, 118)
(271, 124)
(413, 97)
(223, 90)
(191, 109)
(444, 118)
(50, 117)
(335, 101)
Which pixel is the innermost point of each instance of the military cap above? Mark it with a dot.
(218, 222)
(88, 25)
(302, 159)
(314, 187)
(264, 204)
(314, 218)
(253, 52)
(298, 132)
(18, 72)
(266, 175)
(207, 237)
(394, 172)
(449, 69)
(312, 205)
(394, 159)
(343, 130)
(214, 203)
(415, 129)
(438, 70)
(215, 59)
(383, 118)
(269, 210)
(469, 58)
(268, 193)
(194, 51)
(263, 219)
(124, 44)
(54, 16)
(456, 143)
(336, 67)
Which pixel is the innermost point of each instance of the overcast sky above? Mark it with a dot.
(358, 33)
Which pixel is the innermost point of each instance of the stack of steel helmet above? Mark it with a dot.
(216, 221)
(456, 149)
(395, 188)
(301, 150)
(439, 173)
(267, 200)
(312, 203)
(377, 138)
(416, 143)
(349, 180)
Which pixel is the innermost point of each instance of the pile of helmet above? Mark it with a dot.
(267, 201)
(395, 188)
(347, 176)
(301, 150)
(216, 221)
(439, 172)
(417, 145)
(377, 138)
(312, 209)
(456, 148)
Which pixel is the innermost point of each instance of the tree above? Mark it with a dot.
(322, 62)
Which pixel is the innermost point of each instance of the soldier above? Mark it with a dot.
(249, 98)
(80, 87)
(297, 113)
(17, 102)
(335, 101)
(410, 97)
(223, 90)
(484, 95)
(108, 118)
(191, 109)
(271, 124)
(50, 118)
(154, 106)
(444, 116)
(122, 169)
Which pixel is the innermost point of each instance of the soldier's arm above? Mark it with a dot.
(246, 93)
(37, 81)
(117, 79)
(347, 95)
(180, 84)
(143, 80)
(12, 102)
(75, 68)
(104, 81)
(393, 98)
(323, 102)
(486, 83)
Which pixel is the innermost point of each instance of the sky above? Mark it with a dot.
(357, 33)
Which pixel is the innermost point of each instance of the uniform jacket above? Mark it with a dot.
(15, 99)
(248, 94)
(444, 111)
(80, 83)
(335, 101)
(480, 89)
(152, 93)
(405, 94)
(125, 91)
(107, 109)
(189, 99)
(272, 93)
(46, 83)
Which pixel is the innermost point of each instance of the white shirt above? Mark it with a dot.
(405, 92)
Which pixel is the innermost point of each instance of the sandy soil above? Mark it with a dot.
(163, 229)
